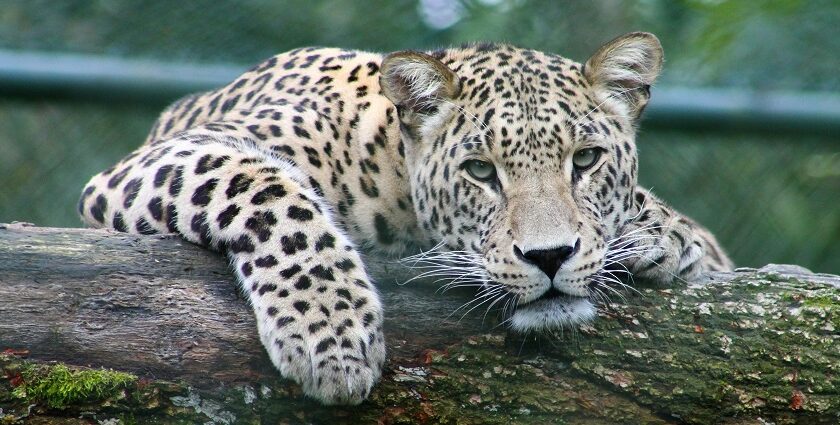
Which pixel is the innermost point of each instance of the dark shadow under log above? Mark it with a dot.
(736, 348)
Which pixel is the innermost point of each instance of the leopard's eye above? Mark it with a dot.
(480, 170)
(585, 158)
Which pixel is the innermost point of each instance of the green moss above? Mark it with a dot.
(823, 302)
(58, 386)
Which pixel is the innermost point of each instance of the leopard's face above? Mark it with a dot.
(525, 175)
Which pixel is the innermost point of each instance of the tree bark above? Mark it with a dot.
(741, 347)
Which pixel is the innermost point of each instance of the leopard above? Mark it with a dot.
(517, 167)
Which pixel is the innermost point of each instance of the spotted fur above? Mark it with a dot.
(315, 152)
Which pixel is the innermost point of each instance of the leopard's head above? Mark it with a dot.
(523, 168)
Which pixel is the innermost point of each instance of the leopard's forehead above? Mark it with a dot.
(526, 107)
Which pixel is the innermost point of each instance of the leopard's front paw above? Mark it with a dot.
(337, 359)
(673, 251)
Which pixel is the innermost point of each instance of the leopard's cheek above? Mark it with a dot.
(451, 209)
(605, 197)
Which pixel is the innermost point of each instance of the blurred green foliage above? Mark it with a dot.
(769, 197)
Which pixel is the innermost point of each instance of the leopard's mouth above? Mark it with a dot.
(552, 310)
(551, 294)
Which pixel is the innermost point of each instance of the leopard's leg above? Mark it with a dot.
(664, 245)
(318, 314)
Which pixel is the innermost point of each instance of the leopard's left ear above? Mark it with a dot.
(418, 83)
(622, 71)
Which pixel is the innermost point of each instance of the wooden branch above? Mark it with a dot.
(160, 305)
(735, 348)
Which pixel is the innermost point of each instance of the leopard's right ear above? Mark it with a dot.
(420, 85)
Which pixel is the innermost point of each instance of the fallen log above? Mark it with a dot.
(742, 347)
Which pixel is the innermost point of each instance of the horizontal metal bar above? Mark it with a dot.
(47, 74)
(722, 109)
(76, 76)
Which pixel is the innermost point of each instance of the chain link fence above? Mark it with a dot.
(770, 196)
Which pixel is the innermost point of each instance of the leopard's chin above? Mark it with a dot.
(547, 313)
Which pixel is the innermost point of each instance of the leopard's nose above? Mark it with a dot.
(548, 260)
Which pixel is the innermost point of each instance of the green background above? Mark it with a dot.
(770, 196)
